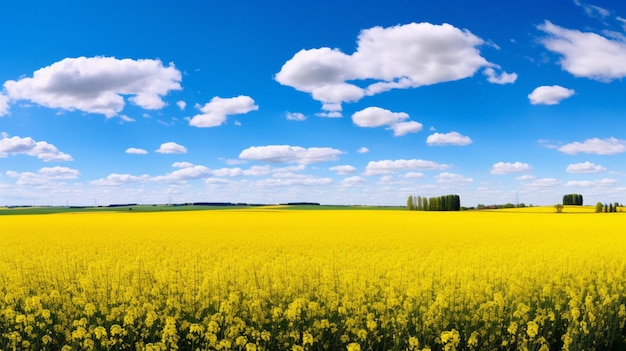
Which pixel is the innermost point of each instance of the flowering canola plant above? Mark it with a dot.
(279, 279)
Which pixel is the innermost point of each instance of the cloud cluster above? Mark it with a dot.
(549, 95)
(452, 138)
(43, 176)
(502, 168)
(171, 148)
(392, 166)
(372, 117)
(586, 54)
(584, 167)
(609, 146)
(398, 57)
(27, 146)
(289, 154)
(214, 113)
(97, 84)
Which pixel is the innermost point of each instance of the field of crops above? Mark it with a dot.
(277, 279)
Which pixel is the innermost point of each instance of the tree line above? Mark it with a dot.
(436, 203)
(573, 199)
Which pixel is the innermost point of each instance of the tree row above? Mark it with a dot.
(437, 203)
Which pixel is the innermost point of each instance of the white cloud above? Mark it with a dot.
(257, 171)
(125, 118)
(451, 178)
(4, 105)
(295, 116)
(59, 172)
(332, 114)
(181, 105)
(293, 179)
(610, 146)
(544, 183)
(586, 54)
(27, 146)
(403, 128)
(398, 57)
(44, 176)
(214, 113)
(509, 168)
(116, 179)
(549, 95)
(593, 183)
(227, 172)
(97, 84)
(452, 138)
(186, 173)
(171, 148)
(182, 164)
(344, 169)
(377, 117)
(136, 151)
(414, 175)
(391, 166)
(592, 10)
(585, 167)
(525, 177)
(362, 150)
(289, 154)
(352, 182)
(502, 78)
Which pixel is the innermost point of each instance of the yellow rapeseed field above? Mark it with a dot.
(280, 279)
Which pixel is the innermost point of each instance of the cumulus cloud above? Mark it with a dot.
(362, 150)
(182, 164)
(509, 168)
(171, 148)
(549, 95)
(398, 57)
(293, 179)
(295, 116)
(371, 117)
(610, 146)
(584, 167)
(27, 146)
(97, 84)
(589, 183)
(586, 54)
(452, 138)
(289, 154)
(181, 105)
(451, 178)
(136, 151)
(214, 113)
(343, 169)
(116, 179)
(544, 183)
(4, 105)
(414, 175)
(352, 182)
(392, 166)
(499, 78)
(43, 176)
(185, 173)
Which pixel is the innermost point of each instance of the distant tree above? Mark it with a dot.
(606, 208)
(559, 208)
(409, 203)
(611, 208)
(573, 199)
(522, 205)
(419, 204)
(599, 207)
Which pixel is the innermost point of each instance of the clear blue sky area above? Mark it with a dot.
(337, 102)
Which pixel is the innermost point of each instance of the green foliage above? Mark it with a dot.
(573, 199)
(599, 207)
(436, 203)
(559, 208)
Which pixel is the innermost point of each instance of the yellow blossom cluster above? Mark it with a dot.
(281, 279)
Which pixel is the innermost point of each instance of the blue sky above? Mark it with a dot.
(351, 102)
